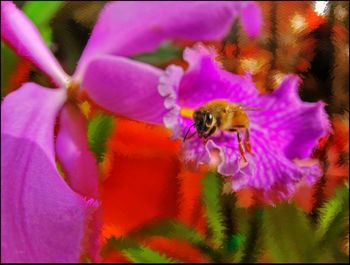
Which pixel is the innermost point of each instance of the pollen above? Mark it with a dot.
(186, 112)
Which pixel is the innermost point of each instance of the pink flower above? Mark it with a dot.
(47, 219)
(284, 130)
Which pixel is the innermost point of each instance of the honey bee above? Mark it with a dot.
(222, 115)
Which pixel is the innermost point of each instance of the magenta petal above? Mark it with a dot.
(203, 81)
(283, 128)
(129, 28)
(42, 219)
(251, 19)
(271, 171)
(206, 80)
(24, 37)
(295, 125)
(74, 154)
(125, 87)
(80, 166)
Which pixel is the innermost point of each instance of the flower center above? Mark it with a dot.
(76, 97)
(73, 91)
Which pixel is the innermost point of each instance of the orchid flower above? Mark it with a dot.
(44, 217)
(282, 133)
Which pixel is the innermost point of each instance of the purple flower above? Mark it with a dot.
(284, 130)
(44, 217)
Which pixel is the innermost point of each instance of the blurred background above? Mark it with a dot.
(309, 38)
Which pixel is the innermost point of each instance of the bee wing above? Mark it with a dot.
(252, 109)
(241, 107)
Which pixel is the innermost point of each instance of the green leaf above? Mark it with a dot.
(289, 236)
(165, 53)
(41, 14)
(135, 252)
(333, 226)
(211, 200)
(334, 211)
(242, 221)
(8, 63)
(234, 242)
(170, 229)
(99, 129)
(252, 247)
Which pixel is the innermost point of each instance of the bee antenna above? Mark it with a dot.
(188, 130)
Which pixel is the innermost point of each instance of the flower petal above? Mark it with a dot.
(74, 154)
(270, 170)
(294, 124)
(125, 87)
(204, 80)
(129, 28)
(19, 32)
(251, 19)
(81, 167)
(42, 218)
(285, 128)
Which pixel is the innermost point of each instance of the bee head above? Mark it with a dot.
(203, 120)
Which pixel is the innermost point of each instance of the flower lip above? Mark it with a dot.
(285, 127)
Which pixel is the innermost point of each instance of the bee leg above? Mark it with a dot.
(247, 145)
(193, 134)
(241, 150)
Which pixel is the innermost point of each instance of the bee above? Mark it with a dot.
(221, 115)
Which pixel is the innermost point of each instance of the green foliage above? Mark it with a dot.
(243, 227)
(99, 129)
(335, 211)
(136, 252)
(333, 226)
(11, 59)
(41, 14)
(211, 200)
(234, 242)
(165, 53)
(252, 247)
(283, 233)
(170, 229)
(289, 236)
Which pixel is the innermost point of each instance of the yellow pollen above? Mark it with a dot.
(186, 112)
(85, 108)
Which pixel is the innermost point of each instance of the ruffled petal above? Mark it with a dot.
(42, 218)
(295, 125)
(270, 170)
(203, 81)
(283, 129)
(19, 32)
(168, 86)
(125, 87)
(206, 80)
(129, 28)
